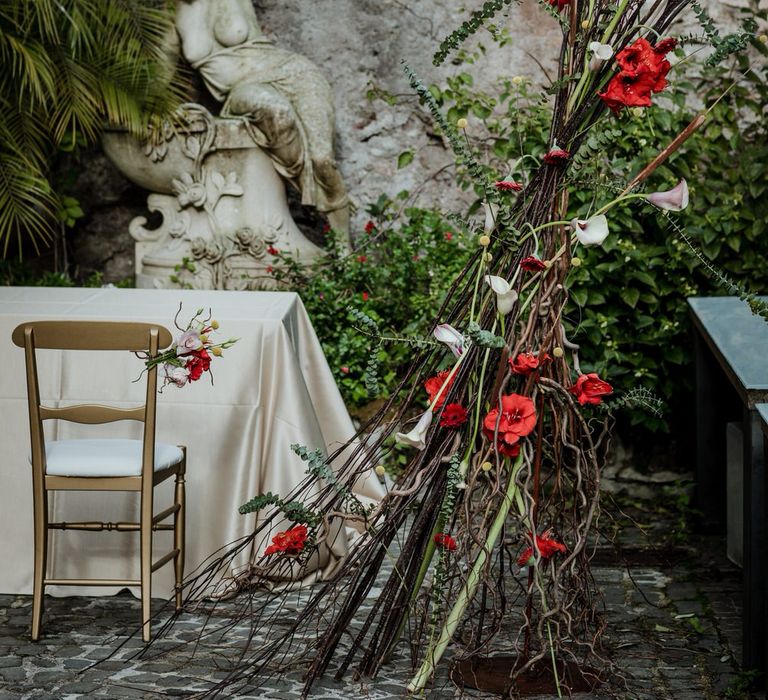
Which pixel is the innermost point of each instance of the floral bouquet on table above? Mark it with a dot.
(189, 356)
(486, 539)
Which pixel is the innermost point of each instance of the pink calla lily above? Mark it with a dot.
(447, 334)
(417, 437)
(592, 231)
(675, 199)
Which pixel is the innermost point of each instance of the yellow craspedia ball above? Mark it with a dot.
(214, 324)
(380, 471)
(462, 123)
(518, 80)
(585, 24)
(204, 338)
(484, 240)
(216, 351)
(558, 352)
(763, 38)
(576, 262)
(486, 466)
(487, 257)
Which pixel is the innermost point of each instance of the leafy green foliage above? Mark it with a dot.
(69, 67)
(397, 279)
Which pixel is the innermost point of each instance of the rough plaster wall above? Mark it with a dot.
(356, 42)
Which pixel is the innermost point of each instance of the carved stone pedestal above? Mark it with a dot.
(223, 206)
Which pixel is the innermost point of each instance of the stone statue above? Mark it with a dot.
(285, 98)
(218, 182)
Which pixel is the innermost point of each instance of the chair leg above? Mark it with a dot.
(41, 559)
(179, 533)
(146, 563)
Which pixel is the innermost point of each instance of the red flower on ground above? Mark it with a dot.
(527, 362)
(643, 71)
(445, 542)
(589, 388)
(454, 415)
(370, 227)
(547, 547)
(434, 384)
(365, 296)
(344, 369)
(199, 361)
(272, 250)
(361, 258)
(532, 264)
(557, 156)
(448, 236)
(508, 186)
(517, 419)
(289, 542)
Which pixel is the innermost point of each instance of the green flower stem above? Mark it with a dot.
(436, 651)
(619, 200)
(480, 271)
(545, 608)
(616, 17)
(550, 224)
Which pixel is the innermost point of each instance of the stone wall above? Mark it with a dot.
(358, 43)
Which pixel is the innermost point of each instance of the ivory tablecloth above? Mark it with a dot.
(272, 389)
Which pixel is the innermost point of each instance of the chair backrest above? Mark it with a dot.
(89, 335)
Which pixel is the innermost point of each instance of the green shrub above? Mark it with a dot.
(398, 275)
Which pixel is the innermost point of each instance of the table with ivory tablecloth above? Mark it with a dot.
(272, 389)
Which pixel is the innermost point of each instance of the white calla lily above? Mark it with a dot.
(417, 437)
(505, 295)
(592, 231)
(675, 199)
(447, 334)
(491, 210)
(600, 54)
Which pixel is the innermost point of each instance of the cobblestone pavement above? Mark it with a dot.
(673, 617)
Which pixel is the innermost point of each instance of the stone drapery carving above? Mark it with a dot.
(219, 182)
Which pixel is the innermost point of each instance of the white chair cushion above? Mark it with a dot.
(115, 457)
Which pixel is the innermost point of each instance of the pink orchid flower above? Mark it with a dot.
(447, 334)
(592, 231)
(416, 437)
(675, 199)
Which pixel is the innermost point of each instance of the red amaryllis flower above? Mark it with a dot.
(199, 361)
(557, 156)
(589, 388)
(532, 264)
(508, 186)
(517, 419)
(527, 362)
(434, 384)
(290, 542)
(643, 71)
(445, 542)
(454, 415)
(560, 4)
(546, 545)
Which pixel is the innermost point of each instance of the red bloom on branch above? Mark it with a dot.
(589, 388)
(361, 258)
(547, 546)
(289, 542)
(527, 362)
(517, 419)
(643, 71)
(454, 415)
(434, 384)
(365, 296)
(445, 542)
(370, 227)
(448, 236)
(557, 156)
(560, 4)
(199, 361)
(508, 186)
(532, 264)
(272, 250)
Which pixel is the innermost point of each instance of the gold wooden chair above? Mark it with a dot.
(102, 464)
